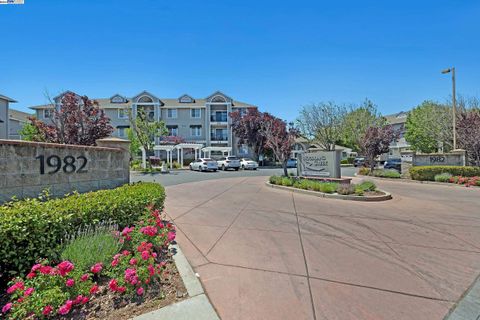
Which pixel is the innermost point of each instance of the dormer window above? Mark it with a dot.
(218, 99)
(186, 99)
(118, 99)
(145, 99)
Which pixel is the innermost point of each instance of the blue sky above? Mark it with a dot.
(279, 55)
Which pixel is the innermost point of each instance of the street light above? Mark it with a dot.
(452, 70)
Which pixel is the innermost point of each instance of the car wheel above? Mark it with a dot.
(254, 168)
(236, 169)
(243, 167)
(191, 169)
(214, 170)
(223, 167)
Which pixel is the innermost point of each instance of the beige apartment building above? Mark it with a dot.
(198, 121)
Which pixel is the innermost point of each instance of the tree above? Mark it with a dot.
(429, 127)
(468, 134)
(146, 130)
(248, 128)
(376, 141)
(356, 122)
(134, 143)
(78, 121)
(279, 138)
(322, 122)
(30, 132)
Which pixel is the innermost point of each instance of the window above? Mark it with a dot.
(145, 99)
(195, 131)
(172, 131)
(243, 111)
(122, 131)
(48, 113)
(122, 113)
(118, 99)
(195, 113)
(186, 99)
(218, 99)
(172, 113)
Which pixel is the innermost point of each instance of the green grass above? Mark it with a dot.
(443, 177)
(386, 173)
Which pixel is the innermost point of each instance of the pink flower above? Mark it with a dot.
(65, 267)
(7, 307)
(85, 300)
(84, 277)
(94, 289)
(36, 267)
(149, 231)
(151, 270)
(171, 236)
(17, 286)
(140, 291)
(131, 276)
(29, 291)
(47, 310)
(31, 275)
(97, 268)
(78, 299)
(133, 261)
(145, 255)
(114, 262)
(121, 289)
(113, 285)
(65, 309)
(70, 283)
(126, 252)
(46, 269)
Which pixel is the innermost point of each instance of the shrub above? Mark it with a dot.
(90, 245)
(443, 177)
(365, 186)
(176, 165)
(32, 228)
(288, 182)
(346, 189)
(344, 161)
(328, 187)
(364, 171)
(388, 173)
(428, 173)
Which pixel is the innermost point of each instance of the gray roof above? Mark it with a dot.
(19, 115)
(105, 103)
(400, 117)
(6, 98)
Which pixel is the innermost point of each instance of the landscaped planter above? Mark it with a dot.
(381, 196)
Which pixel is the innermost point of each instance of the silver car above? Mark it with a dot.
(247, 164)
(204, 164)
(230, 162)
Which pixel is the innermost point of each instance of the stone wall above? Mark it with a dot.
(28, 168)
(454, 158)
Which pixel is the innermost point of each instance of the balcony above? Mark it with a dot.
(218, 137)
(218, 119)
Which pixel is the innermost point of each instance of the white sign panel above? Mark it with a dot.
(320, 164)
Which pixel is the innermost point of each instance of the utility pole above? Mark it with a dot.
(454, 106)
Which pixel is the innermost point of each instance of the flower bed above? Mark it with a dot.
(363, 189)
(428, 173)
(380, 173)
(142, 270)
(466, 181)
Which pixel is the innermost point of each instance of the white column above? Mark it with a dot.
(171, 159)
(195, 151)
(178, 155)
(181, 157)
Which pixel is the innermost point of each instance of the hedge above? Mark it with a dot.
(31, 229)
(428, 173)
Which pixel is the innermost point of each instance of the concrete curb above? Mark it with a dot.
(468, 308)
(197, 306)
(445, 184)
(386, 196)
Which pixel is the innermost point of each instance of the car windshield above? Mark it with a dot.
(247, 159)
(207, 159)
(232, 158)
(394, 160)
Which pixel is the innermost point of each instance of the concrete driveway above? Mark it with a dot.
(263, 253)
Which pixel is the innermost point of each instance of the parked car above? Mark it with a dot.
(393, 163)
(291, 163)
(247, 163)
(359, 162)
(204, 164)
(230, 162)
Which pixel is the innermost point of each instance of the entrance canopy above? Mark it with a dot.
(223, 150)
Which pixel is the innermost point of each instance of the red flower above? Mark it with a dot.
(149, 231)
(140, 291)
(131, 276)
(113, 285)
(46, 269)
(36, 267)
(84, 277)
(70, 283)
(78, 299)
(151, 270)
(171, 236)
(65, 267)
(126, 252)
(133, 261)
(65, 309)
(121, 289)
(94, 289)
(17, 286)
(145, 255)
(47, 310)
(31, 275)
(114, 262)
(97, 268)
(85, 300)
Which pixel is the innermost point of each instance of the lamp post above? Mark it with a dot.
(452, 70)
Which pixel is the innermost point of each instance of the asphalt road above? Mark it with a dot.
(185, 176)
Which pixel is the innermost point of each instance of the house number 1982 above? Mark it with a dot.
(69, 164)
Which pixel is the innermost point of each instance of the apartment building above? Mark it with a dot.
(4, 118)
(398, 121)
(204, 121)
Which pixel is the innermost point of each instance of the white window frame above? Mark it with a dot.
(172, 117)
(199, 113)
(173, 128)
(126, 113)
(193, 131)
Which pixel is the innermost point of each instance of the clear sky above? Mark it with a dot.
(279, 55)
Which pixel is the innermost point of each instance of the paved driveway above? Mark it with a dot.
(263, 253)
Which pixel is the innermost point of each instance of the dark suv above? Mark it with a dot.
(394, 163)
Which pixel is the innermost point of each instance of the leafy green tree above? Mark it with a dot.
(134, 143)
(356, 122)
(429, 127)
(146, 130)
(30, 132)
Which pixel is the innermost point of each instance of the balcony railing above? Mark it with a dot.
(216, 137)
(218, 118)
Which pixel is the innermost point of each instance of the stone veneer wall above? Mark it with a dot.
(107, 166)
